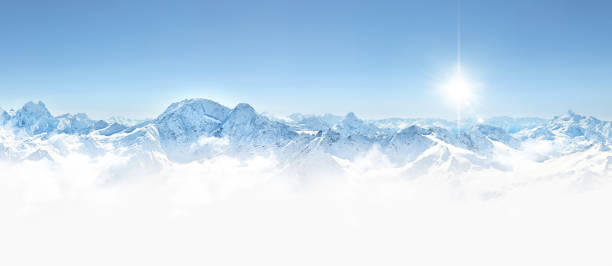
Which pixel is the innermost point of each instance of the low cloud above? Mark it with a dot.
(259, 211)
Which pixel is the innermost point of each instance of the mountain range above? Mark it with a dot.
(199, 129)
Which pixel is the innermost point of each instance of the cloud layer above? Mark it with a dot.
(228, 211)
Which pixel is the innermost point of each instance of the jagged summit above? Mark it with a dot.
(31, 112)
(35, 118)
(35, 108)
(246, 127)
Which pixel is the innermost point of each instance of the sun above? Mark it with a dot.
(459, 90)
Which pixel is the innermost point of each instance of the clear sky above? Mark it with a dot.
(376, 58)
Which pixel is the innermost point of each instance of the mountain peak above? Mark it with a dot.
(574, 125)
(185, 121)
(571, 115)
(75, 123)
(413, 130)
(351, 116)
(244, 107)
(35, 108)
(242, 112)
(35, 118)
(196, 107)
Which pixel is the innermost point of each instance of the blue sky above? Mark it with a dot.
(376, 58)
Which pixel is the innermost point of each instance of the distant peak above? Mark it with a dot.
(413, 130)
(573, 115)
(351, 116)
(35, 108)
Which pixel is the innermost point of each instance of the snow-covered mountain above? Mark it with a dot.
(35, 119)
(183, 123)
(572, 126)
(570, 133)
(197, 129)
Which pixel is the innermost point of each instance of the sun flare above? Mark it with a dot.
(459, 90)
